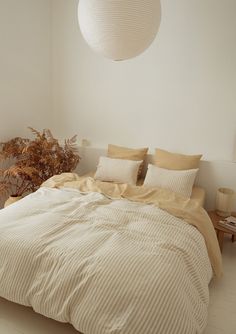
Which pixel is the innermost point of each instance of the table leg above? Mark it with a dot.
(220, 236)
(233, 238)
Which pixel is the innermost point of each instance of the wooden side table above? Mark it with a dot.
(220, 230)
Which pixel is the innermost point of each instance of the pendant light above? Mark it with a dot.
(119, 29)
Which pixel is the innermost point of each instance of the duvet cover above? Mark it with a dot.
(109, 259)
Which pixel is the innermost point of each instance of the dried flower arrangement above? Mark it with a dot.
(34, 161)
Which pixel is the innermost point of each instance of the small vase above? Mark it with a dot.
(11, 200)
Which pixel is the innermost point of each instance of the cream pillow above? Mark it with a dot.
(119, 152)
(179, 181)
(117, 170)
(168, 160)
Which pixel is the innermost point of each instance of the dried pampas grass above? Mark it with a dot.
(34, 161)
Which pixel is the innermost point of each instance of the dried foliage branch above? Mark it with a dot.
(34, 161)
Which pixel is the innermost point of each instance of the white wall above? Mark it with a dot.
(25, 66)
(178, 95)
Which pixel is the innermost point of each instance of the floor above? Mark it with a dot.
(15, 319)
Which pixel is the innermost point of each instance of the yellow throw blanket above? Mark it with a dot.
(175, 204)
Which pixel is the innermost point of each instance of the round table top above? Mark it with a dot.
(215, 219)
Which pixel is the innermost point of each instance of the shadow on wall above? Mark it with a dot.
(216, 174)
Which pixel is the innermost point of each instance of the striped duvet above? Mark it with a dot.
(105, 266)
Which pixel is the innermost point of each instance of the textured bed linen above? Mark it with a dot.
(175, 204)
(106, 266)
(198, 193)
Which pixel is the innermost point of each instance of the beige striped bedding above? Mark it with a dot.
(105, 266)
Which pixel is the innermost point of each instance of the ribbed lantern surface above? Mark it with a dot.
(119, 29)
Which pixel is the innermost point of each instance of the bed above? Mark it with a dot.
(109, 258)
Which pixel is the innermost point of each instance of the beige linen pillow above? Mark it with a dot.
(179, 181)
(168, 160)
(119, 152)
(117, 170)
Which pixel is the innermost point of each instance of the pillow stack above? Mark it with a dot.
(176, 172)
(125, 153)
(122, 165)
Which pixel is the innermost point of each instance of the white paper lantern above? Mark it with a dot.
(119, 29)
